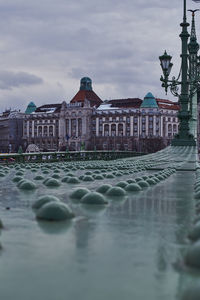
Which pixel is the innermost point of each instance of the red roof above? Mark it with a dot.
(89, 95)
(164, 101)
(167, 104)
(172, 107)
(125, 103)
(47, 107)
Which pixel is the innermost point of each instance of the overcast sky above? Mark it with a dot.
(46, 46)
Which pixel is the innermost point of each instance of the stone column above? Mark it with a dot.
(161, 126)
(70, 128)
(76, 127)
(33, 125)
(84, 126)
(131, 125)
(147, 125)
(154, 125)
(27, 128)
(97, 126)
(140, 124)
(54, 129)
(62, 128)
(117, 129)
(109, 130)
(166, 129)
(124, 129)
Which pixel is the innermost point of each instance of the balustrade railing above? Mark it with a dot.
(65, 156)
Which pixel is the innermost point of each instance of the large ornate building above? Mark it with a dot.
(11, 130)
(89, 123)
(133, 124)
(55, 127)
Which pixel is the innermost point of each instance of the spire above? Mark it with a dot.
(193, 46)
(193, 29)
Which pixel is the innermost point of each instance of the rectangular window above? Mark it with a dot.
(104, 145)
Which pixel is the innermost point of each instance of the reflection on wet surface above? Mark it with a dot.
(125, 250)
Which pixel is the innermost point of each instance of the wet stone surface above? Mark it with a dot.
(130, 248)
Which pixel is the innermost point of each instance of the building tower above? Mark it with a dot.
(86, 96)
(193, 48)
(86, 84)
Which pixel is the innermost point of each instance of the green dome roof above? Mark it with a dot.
(30, 108)
(149, 101)
(86, 84)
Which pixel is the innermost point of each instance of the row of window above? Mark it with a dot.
(40, 121)
(135, 134)
(74, 127)
(42, 131)
(135, 120)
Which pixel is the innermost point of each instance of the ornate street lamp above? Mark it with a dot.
(166, 65)
(186, 80)
(165, 62)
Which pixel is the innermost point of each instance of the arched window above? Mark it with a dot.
(120, 129)
(79, 127)
(170, 128)
(50, 130)
(45, 131)
(67, 127)
(174, 128)
(106, 130)
(113, 130)
(39, 130)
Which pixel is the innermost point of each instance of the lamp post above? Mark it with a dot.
(186, 81)
(193, 48)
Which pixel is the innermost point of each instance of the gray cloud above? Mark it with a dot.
(116, 43)
(10, 80)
